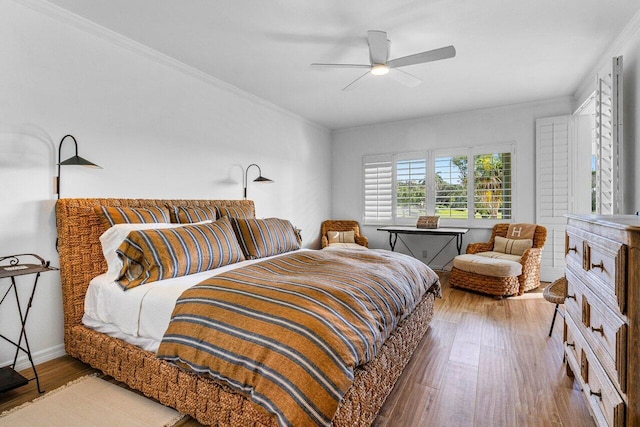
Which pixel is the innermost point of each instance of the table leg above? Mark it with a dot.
(459, 242)
(23, 330)
(393, 238)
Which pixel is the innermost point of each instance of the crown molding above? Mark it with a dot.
(67, 17)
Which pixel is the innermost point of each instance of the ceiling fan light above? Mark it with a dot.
(379, 70)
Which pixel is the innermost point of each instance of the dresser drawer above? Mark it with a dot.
(604, 330)
(573, 248)
(604, 263)
(606, 404)
(572, 345)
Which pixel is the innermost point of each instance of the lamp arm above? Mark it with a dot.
(246, 179)
(60, 160)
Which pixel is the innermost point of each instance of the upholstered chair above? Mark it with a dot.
(342, 226)
(484, 269)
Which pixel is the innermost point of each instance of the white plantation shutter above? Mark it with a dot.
(451, 197)
(410, 186)
(609, 140)
(552, 191)
(378, 189)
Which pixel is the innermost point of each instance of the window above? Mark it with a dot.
(411, 188)
(492, 186)
(461, 187)
(451, 187)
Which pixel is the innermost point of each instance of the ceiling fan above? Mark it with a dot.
(379, 47)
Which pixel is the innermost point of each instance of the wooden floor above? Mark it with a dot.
(487, 362)
(483, 362)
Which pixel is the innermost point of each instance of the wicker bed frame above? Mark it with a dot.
(209, 402)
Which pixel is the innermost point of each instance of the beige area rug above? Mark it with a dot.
(90, 401)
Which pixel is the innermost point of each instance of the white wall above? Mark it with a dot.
(626, 44)
(508, 124)
(159, 130)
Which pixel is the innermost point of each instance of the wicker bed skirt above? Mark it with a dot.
(204, 399)
(212, 403)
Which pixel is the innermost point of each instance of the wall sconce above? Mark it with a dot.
(260, 178)
(71, 161)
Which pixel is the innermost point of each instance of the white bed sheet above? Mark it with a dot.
(140, 315)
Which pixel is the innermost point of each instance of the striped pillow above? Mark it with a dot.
(191, 214)
(260, 238)
(512, 246)
(151, 255)
(112, 215)
(243, 212)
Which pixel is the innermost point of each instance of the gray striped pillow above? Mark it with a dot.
(235, 212)
(260, 238)
(112, 215)
(157, 254)
(191, 214)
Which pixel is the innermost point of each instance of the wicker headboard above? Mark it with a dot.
(81, 258)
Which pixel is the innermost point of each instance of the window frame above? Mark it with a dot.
(430, 191)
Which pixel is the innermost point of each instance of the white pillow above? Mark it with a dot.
(115, 235)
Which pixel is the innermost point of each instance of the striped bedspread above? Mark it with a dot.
(289, 331)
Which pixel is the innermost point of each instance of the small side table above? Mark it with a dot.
(9, 378)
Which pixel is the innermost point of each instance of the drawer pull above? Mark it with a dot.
(574, 249)
(598, 330)
(596, 393)
(571, 344)
(573, 297)
(600, 266)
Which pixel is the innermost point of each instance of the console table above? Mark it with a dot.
(9, 378)
(454, 232)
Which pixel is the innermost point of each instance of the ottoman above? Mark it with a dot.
(493, 276)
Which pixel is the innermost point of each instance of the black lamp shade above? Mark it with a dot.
(262, 179)
(79, 161)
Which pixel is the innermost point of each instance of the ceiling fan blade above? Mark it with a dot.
(378, 46)
(428, 56)
(317, 65)
(404, 78)
(357, 82)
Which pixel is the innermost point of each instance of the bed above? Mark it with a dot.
(209, 401)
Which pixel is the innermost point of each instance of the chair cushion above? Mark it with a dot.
(487, 266)
(500, 255)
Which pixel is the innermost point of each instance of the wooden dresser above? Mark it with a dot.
(602, 322)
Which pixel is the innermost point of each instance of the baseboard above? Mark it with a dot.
(38, 357)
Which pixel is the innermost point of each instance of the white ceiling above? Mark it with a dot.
(507, 51)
